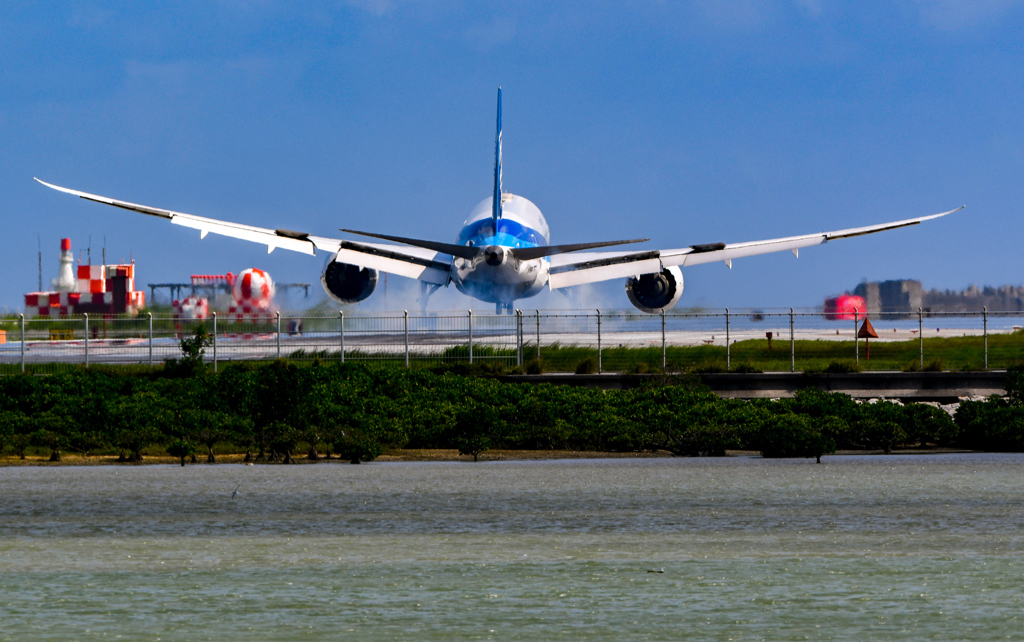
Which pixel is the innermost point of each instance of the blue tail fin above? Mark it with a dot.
(496, 205)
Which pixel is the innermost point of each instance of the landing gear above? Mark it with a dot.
(503, 307)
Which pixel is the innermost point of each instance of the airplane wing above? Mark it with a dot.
(415, 263)
(567, 270)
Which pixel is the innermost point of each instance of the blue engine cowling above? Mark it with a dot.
(346, 283)
(655, 292)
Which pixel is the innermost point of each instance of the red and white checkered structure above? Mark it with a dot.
(101, 289)
(192, 307)
(245, 312)
(252, 291)
(50, 304)
(58, 304)
(92, 278)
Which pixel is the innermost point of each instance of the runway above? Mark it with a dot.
(230, 347)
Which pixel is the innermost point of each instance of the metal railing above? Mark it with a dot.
(577, 340)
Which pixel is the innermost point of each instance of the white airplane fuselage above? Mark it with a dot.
(496, 276)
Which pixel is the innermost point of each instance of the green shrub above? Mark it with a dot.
(746, 368)
(473, 444)
(746, 420)
(11, 422)
(842, 367)
(709, 367)
(137, 422)
(473, 425)
(638, 367)
(587, 366)
(926, 424)
(1014, 385)
(50, 430)
(702, 440)
(879, 426)
(360, 410)
(283, 438)
(935, 365)
(818, 403)
(356, 446)
(495, 368)
(193, 349)
(791, 435)
(181, 448)
(993, 425)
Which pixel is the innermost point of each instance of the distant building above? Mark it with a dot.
(1006, 298)
(891, 296)
(905, 296)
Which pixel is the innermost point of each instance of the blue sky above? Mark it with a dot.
(687, 122)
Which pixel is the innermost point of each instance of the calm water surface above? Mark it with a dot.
(903, 547)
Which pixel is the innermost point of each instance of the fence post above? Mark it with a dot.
(86, 316)
(470, 337)
(538, 335)
(599, 369)
(215, 342)
(663, 359)
(406, 321)
(920, 335)
(856, 341)
(728, 344)
(278, 334)
(22, 343)
(984, 316)
(341, 323)
(519, 338)
(792, 344)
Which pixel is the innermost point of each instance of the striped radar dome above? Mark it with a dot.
(253, 288)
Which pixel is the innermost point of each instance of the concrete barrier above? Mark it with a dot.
(944, 387)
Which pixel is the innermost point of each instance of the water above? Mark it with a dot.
(902, 547)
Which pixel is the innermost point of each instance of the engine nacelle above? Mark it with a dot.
(656, 292)
(346, 283)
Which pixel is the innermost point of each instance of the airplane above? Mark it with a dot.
(500, 255)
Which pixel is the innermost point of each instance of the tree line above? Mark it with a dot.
(277, 412)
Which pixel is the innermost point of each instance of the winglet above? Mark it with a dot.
(59, 189)
(871, 229)
(496, 203)
(96, 198)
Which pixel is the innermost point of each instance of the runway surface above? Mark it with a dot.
(233, 347)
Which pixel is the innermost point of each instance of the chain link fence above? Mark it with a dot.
(539, 340)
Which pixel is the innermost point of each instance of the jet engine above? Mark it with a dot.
(346, 283)
(656, 292)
